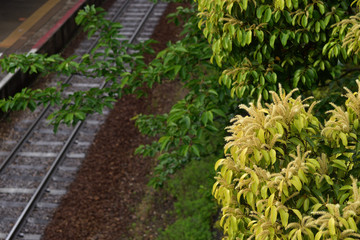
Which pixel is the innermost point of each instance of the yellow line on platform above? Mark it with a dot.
(28, 23)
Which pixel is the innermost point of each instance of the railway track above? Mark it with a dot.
(36, 166)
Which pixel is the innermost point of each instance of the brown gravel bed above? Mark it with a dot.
(109, 198)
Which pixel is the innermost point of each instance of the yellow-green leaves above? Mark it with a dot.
(321, 7)
(284, 216)
(343, 138)
(243, 157)
(302, 176)
(272, 40)
(297, 213)
(273, 214)
(304, 21)
(248, 37)
(352, 224)
(261, 135)
(280, 4)
(272, 156)
(267, 15)
(264, 190)
(284, 36)
(219, 163)
(340, 164)
(259, 34)
(295, 181)
(331, 226)
(243, 4)
(284, 177)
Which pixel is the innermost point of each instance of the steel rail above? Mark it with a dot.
(131, 40)
(30, 130)
(40, 189)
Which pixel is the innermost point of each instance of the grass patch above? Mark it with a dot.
(194, 207)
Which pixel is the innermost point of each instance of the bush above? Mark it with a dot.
(190, 228)
(194, 207)
(285, 176)
(260, 44)
(193, 129)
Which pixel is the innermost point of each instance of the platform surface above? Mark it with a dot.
(14, 13)
(28, 25)
(24, 22)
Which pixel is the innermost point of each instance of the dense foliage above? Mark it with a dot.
(287, 177)
(293, 42)
(193, 127)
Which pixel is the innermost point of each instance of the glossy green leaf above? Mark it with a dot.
(267, 15)
(284, 36)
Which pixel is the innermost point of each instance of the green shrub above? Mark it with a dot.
(261, 43)
(189, 228)
(285, 176)
(192, 180)
(193, 129)
(194, 207)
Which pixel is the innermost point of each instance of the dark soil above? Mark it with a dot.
(110, 198)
